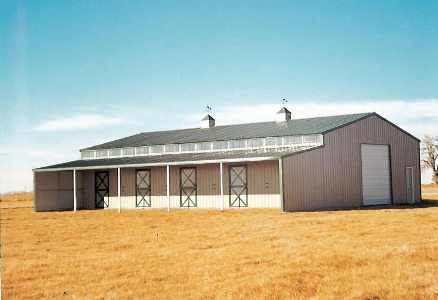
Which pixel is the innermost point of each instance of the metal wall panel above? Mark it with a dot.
(54, 190)
(88, 178)
(331, 176)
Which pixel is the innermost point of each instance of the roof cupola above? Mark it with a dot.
(283, 114)
(208, 121)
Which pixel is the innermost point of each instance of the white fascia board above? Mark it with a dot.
(161, 164)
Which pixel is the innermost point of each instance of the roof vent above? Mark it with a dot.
(207, 121)
(283, 115)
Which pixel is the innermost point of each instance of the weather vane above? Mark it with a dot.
(208, 109)
(284, 102)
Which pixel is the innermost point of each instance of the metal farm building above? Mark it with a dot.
(336, 162)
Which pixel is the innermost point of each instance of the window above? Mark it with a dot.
(320, 139)
(172, 148)
(101, 153)
(188, 147)
(115, 152)
(220, 145)
(157, 149)
(128, 151)
(293, 140)
(255, 143)
(237, 144)
(310, 139)
(87, 154)
(274, 141)
(141, 150)
(204, 146)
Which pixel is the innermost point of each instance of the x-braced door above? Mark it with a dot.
(101, 180)
(143, 188)
(238, 187)
(188, 190)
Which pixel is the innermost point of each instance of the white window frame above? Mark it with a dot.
(128, 148)
(92, 156)
(102, 150)
(158, 152)
(170, 145)
(115, 149)
(188, 151)
(244, 144)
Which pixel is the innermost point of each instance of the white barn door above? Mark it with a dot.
(376, 178)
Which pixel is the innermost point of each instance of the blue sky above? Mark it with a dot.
(77, 73)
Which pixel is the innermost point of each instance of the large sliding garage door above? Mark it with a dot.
(376, 178)
(188, 188)
(238, 187)
(143, 188)
(101, 180)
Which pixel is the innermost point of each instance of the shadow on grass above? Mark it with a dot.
(425, 203)
(429, 202)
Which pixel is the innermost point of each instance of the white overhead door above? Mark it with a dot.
(376, 182)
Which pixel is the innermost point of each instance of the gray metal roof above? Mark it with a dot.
(169, 158)
(229, 132)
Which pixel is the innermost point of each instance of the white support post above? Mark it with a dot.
(280, 182)
(118, 189)
(168, 187)
(75, 200)
(222, 184)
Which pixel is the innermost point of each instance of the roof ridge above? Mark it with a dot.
(193, 131)
(264, 122)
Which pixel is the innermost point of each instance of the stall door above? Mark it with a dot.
(238, 187)
(188, 189)
(376, 179)
(143, 188)
(101, 180)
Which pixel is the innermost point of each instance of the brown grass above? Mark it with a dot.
(430, 193)
(358, 254)
(16, 199)
(429, 185)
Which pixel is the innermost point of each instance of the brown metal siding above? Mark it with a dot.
(127, 182)
(88, 189)
(303, 179)
(54, 190)
(158, 181)
(263, 178)
(208, 179)
(331, 176)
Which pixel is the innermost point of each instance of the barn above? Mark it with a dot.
(334, 162)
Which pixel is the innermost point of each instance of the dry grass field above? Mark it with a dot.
(18, 199)
(389, 253)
